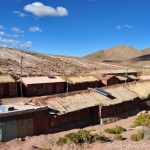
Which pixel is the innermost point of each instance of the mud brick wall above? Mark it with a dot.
(112, 110)
(145, 104)
(8, 90)
(112, 81)
(83, 86)
(43, 89)
(77, 119)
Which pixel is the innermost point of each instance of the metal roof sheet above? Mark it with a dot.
(41, 80)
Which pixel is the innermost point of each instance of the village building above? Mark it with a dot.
(17, 121)
(122, 79)
(8, 87)
(119, 72)
(109, 80)
(132, 78)
(77, 83)
(38, 86)
(83, 108)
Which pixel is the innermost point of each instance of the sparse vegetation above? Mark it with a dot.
(142, 120)
(115, 130)
(82, 136)
(138, 136)
(118, 137)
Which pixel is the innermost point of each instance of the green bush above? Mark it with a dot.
(142, 120)
(115, 130)
(82, 136)
(62, 141)
(138, 136)
(118, 137)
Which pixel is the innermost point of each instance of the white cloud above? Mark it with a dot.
(35, 29)
(2, 27)
(118, 27)
(10, 41)
(40, 10)
(128, 26)
(15, 43)
(17, 30)
(2, 33)
(20, 14)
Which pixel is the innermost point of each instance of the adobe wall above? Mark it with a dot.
(77, 119)
(8, 90)
(43, 89)
(116, 112)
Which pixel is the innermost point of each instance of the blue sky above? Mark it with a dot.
(74, 27)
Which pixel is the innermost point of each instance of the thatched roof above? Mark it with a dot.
(141, 88)
(145, 77)
(80, 79)
(88, 99)
(7, 79)
(119, 71)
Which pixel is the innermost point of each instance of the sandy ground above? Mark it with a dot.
(49, 141)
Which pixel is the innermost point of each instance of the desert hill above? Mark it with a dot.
(122, 54)
(40, 64)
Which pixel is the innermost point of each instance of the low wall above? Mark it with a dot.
(22, 125)
(119, 111)
(77, 119)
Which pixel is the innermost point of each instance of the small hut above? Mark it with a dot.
(8, 86)
(40, 86)
(109, 80)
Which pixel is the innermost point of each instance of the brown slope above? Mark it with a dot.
(117, 53)
(146, 51)
(40, 64)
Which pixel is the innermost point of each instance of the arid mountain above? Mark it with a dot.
(118, 53)
(40, 64)
(122, 54)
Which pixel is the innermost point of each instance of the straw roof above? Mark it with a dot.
(6, 79)
(145, 77)
(141, 88)
(118, 71)
(81, 79)
(133, 77)
(88, 99)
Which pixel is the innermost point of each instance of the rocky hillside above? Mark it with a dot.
(40, 64)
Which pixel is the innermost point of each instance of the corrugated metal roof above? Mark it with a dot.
(81, 79)
(41, 80)
(6, 79)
